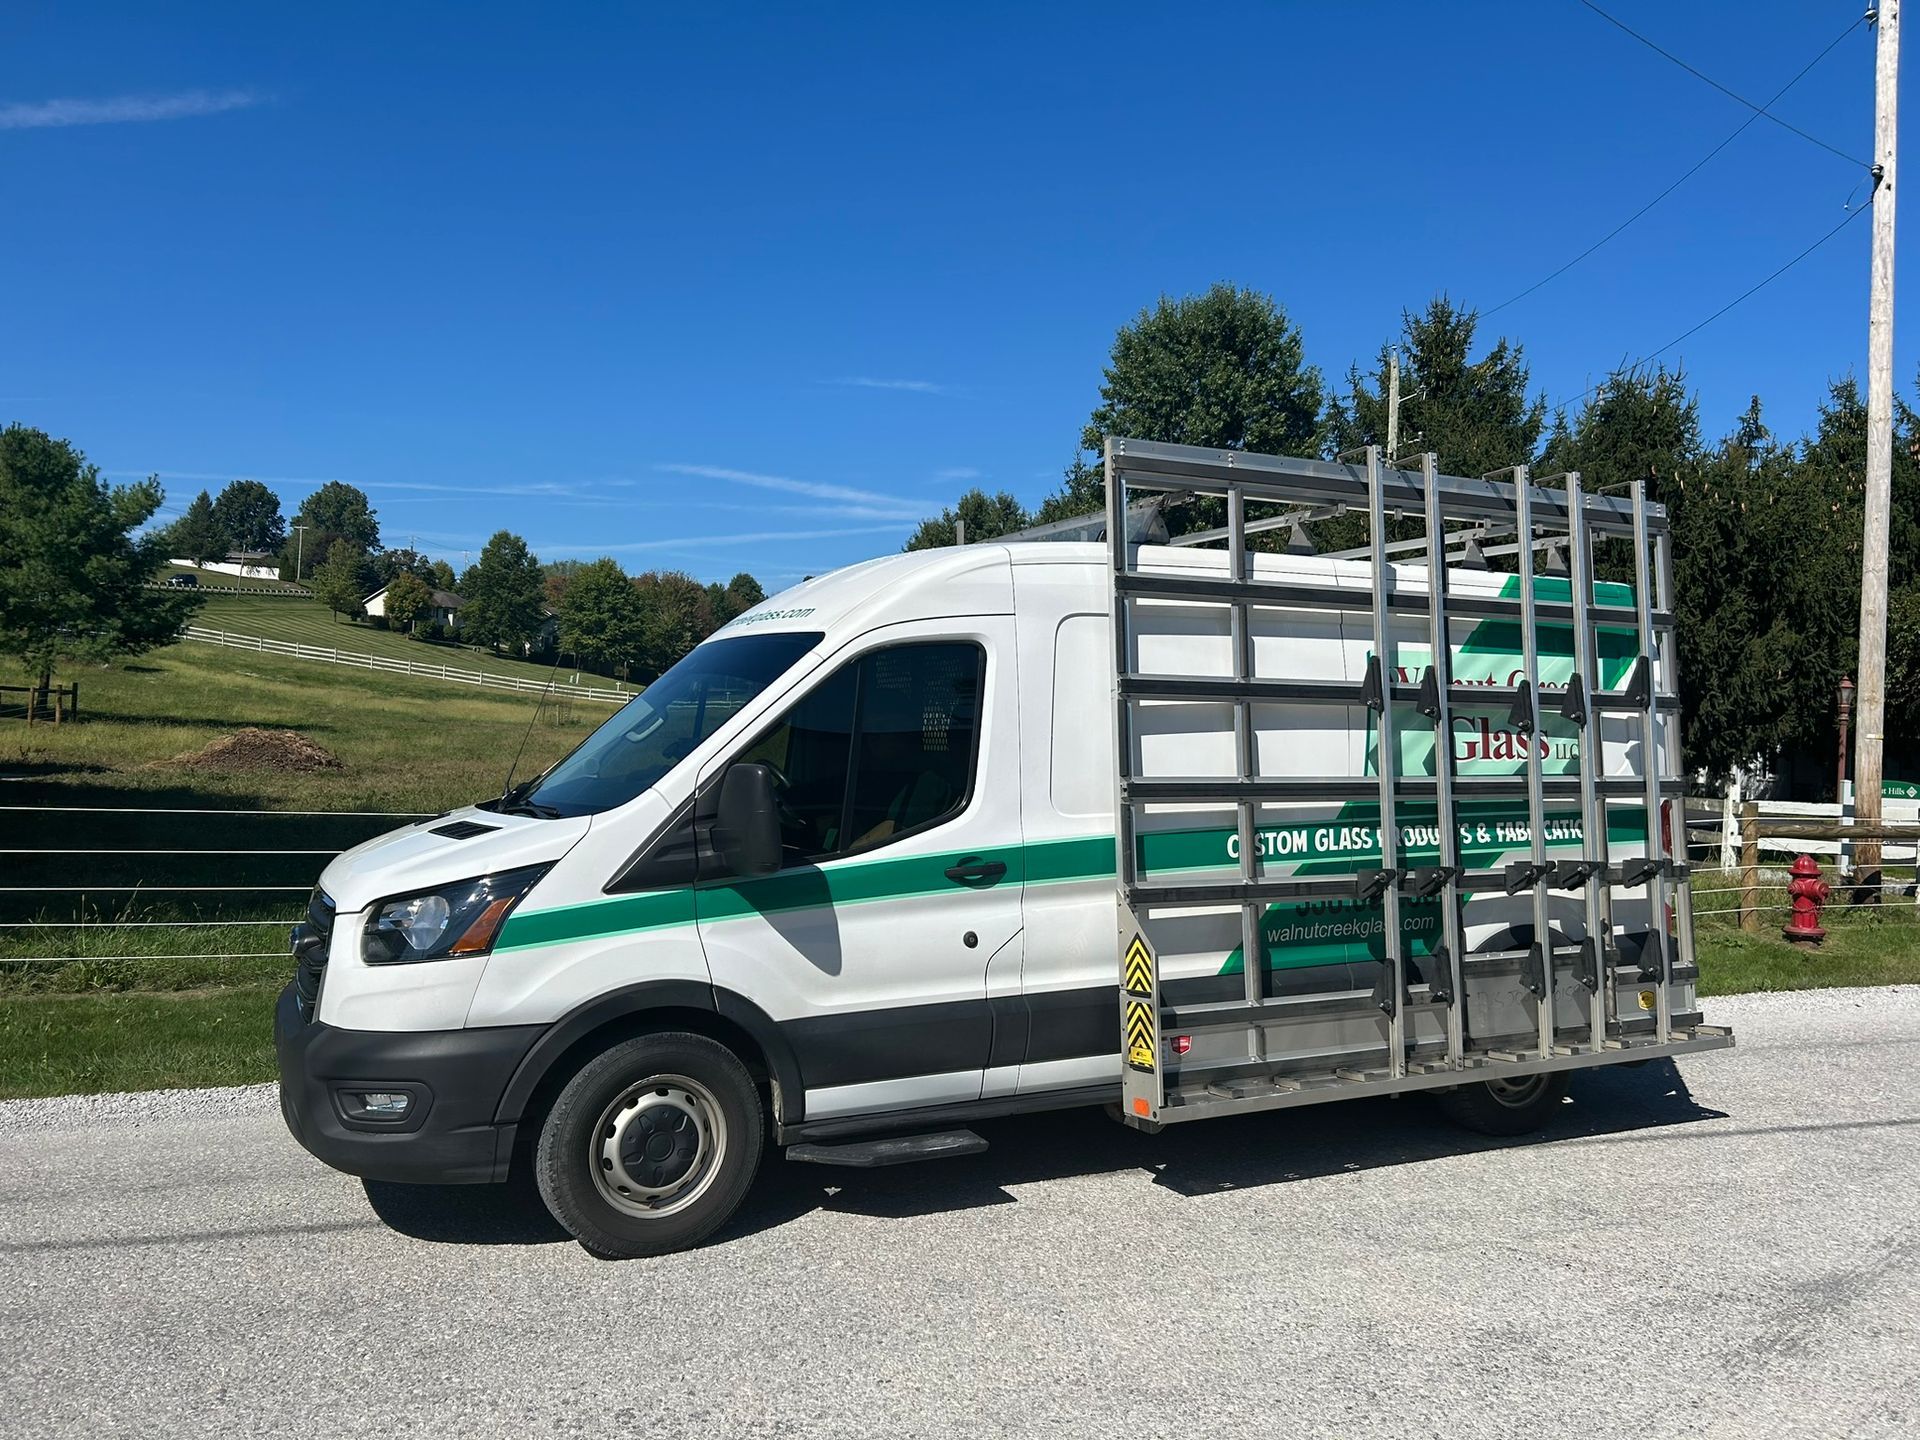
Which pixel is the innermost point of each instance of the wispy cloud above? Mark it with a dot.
(891, 505)
(205, 478)
(733, 537)
(531, 489)
(957, 472)
(868, 382)
(123, 109)
(536, 489)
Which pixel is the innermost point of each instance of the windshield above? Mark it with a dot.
(659, 728)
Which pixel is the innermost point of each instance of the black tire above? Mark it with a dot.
(651, 1146)
(1506, 1107)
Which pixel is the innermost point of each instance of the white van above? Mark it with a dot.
(845, 878)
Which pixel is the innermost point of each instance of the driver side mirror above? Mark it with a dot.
(746, 831)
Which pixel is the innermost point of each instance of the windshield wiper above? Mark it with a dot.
(530, 807)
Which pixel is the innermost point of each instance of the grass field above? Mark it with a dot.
(411, 746)
(405, 743)
(308, 622)
(210, 1023)
(193, 1004)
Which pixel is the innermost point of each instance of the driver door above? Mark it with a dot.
(896, 776)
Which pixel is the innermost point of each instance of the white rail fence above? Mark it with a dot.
(289, 592)
(359, 661)
(1718, 827)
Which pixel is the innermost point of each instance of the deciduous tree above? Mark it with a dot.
(338, 511)
(986, 516)
(406, 600)
(1226, 369)
(505, 594)
(338, 582)
(250, 514)
(602, 619)
(677, 616)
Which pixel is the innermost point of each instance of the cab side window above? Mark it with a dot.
(919, 721)
(885, 747)
(809, 752)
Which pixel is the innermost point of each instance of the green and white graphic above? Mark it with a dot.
(1484, 743)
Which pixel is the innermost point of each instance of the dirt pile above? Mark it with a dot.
(287, 751)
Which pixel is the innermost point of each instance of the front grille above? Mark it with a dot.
(311, 939)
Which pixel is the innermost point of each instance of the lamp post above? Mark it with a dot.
(1846, 716)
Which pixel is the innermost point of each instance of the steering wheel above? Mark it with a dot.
(790, 819)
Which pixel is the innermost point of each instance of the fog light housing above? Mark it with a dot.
(376, 1104)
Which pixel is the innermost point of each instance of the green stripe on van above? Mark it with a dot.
(1042, 863)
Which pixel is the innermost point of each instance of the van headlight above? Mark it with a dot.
(459, 919)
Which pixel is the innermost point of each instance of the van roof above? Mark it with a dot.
(970, 580)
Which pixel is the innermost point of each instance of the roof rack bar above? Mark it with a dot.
(1150, 465)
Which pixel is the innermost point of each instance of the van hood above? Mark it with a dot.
(460, 845)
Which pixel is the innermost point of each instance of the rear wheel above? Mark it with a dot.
(651, 1146)
(1506, 1107)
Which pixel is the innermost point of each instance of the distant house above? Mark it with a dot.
(246, 564)
(444, 607)
(548, 635)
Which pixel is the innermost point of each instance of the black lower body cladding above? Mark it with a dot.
(455, 1079)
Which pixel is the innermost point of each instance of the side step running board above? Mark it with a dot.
(894, 1150)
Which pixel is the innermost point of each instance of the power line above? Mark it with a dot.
(1744, 295)
(1695, 169)
(1730, 94)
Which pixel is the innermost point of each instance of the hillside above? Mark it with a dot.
(307, 622)
(212, 580)
(403, 743)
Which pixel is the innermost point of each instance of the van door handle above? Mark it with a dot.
(975, 871)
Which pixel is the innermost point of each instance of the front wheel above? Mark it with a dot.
(651, 1146)
(1506, 1107)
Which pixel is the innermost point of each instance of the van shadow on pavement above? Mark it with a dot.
(1239, 1153)
(1242, 1153)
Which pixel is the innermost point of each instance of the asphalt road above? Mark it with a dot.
(1728, 1249)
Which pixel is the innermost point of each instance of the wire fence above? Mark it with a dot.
(121, 886)
(172, 894)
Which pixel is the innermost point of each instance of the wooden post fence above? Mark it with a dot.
(1750, 866)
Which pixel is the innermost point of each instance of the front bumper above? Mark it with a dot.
(456, 1078)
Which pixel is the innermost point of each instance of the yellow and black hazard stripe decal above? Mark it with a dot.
(1136, 970)
(1142, 1052)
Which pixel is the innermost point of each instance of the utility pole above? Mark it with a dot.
(1870, 737)
(1393, 406)
(300, 550)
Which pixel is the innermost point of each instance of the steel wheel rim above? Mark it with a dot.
(1518, 1093)
(657, 1148)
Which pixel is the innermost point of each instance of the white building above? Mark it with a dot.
(443, 606)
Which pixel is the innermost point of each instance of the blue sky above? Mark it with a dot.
(720, 288)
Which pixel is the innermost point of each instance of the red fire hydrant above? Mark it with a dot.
(1809, 892)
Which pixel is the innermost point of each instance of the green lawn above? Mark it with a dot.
(308, 622)
(219, 1032)
(411, 746)
(405, 743)
(87, 1044)
(180, 1013)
